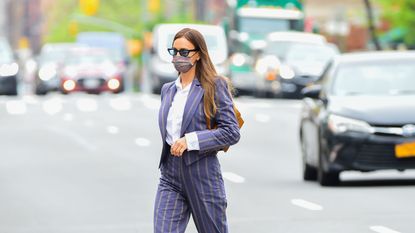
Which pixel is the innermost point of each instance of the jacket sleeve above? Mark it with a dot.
(163, 89)
(227, 132)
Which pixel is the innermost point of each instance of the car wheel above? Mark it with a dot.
(120, 89)
(40, 91)
(13, 90)
(327, 178)
(309, 172)
(156, 90)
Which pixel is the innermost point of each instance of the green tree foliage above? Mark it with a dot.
(130, 14)
(60, 17)
(401, 13)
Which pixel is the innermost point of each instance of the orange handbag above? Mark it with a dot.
(238, 118)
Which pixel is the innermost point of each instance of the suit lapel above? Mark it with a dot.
(195, 96)
(168, 99)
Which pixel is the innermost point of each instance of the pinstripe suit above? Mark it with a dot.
(193, 184)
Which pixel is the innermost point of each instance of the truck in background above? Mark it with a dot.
(247, 26)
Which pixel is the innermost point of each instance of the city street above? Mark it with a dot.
(83, 163)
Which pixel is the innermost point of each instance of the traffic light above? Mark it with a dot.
(89, 7)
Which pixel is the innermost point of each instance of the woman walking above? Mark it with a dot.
(191, 180)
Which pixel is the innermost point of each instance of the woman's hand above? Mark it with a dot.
(178, 147)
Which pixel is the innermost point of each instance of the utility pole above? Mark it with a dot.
(371, 23)
(201, 9)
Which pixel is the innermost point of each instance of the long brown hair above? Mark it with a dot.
(205, 70)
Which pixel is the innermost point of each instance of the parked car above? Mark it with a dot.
(361, 116)
(161, 70)
(9, 69)
(90, 70)
(49, 62)
(116, 44)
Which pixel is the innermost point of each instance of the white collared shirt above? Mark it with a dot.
(175, 118)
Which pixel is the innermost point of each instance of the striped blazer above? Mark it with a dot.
(210, 141)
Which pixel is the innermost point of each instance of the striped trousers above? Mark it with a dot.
(196, 189)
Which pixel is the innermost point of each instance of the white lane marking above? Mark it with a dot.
(256, 104)
(143, 142)
(77, 138)
(30, 99)
(306, 204)
(87, 104)
(121, 103)
(89, 123)
(52, 106)
(235, 178)
(112, 129)
(68, 117)
(382, 229)
(151, 102)
(263, 118)
(16, 107)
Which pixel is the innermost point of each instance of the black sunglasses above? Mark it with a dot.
(182, 52)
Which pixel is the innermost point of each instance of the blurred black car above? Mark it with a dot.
(270, 65)
(360, 117)
(91, 70)
(49, 62)
(302, 65)
(9, 69)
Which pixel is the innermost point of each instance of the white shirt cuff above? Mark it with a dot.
(192, 141)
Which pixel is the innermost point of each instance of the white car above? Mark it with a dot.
(299, 37)
(161, 70)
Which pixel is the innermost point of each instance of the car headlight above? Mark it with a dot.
(239, 59)
(243, 36)
(338, 124)
(267, 63)
(47, 72)
(286, 72)
(9, 69)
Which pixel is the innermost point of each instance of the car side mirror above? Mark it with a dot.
(312, 91)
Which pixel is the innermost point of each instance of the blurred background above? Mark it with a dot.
(29, 25)
(326, 88)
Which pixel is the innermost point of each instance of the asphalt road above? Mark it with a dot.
(88, 164)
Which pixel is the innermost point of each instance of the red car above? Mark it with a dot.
(90, 70)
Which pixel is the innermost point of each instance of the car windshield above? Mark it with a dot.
(307, 53)
(250, 25)
(392, 77)
(98, 58)
(282, 48)
(309, 59)
(56, 55)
